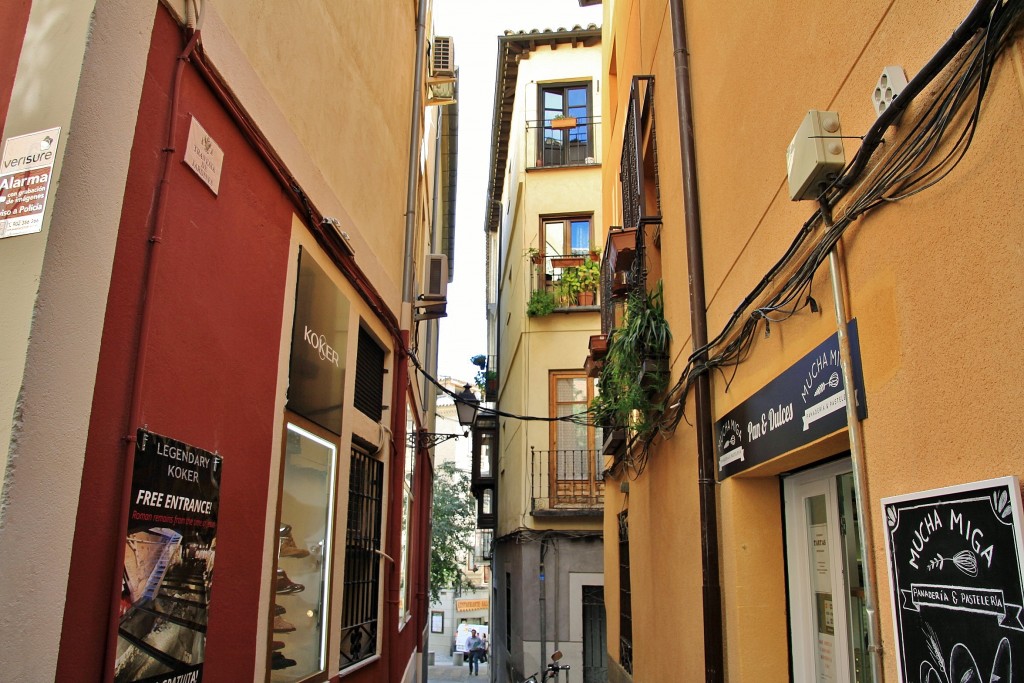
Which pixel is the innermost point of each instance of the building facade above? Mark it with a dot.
(538, 481)
(820, 195)
(225, 241)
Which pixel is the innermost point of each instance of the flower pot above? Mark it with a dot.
(621, 249)
(567, 262)
(593, 366)
(614, 439)
(598, 345)
(563, 123)
(585, 299)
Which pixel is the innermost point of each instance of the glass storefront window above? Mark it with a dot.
(299, 615)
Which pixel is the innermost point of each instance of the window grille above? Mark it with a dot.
(359, 624)
(625, 597)
(369, 395)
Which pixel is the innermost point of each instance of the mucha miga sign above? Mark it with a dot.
(806, 402)
(957, 580)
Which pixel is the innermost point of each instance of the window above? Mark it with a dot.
(362, 564)
(625, 597)
(369, 396)
(508, 612)
(566, 136)
(407, 501)
(569, 236)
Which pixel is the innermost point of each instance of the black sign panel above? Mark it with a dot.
(169, 553)
(803, 404)
(957, 581)
(319, 332)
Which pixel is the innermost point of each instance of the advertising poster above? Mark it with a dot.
(957, 580)
(26, 168)
(170, 545)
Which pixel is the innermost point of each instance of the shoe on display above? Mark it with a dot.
(279, 661)
(286, 586)
(289, 549)
(279, 610)
(282, 625)
(277, 645)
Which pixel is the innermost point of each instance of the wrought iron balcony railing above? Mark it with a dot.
(573, 280)
(566, 481)
(563, 142)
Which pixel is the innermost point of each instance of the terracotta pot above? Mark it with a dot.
(621, 249)
(562, 124)
(598, 345)
(585, 299)
(567, 262)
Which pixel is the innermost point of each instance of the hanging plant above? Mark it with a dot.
(635, 371)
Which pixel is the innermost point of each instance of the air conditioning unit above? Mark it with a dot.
(436, 285)
(442, 57)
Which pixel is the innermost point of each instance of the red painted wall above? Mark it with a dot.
(211, 373)
(14, 20)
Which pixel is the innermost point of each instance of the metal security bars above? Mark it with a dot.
(362, 564)
(625, 597)
(566, 480)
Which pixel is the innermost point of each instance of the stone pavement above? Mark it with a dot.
(445, 670)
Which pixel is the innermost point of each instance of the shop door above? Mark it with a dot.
(827, 618)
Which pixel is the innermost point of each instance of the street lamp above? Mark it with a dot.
(467, 405)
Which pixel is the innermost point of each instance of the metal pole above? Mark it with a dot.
(856, 455)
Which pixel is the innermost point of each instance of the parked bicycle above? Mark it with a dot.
(551, 671)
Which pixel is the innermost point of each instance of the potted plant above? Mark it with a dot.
(567, 289)
(542, 302)
(563, 121)
(635, 370)
(568, 261)
(533, 253)
(589, 275)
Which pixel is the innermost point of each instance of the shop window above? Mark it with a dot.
(303, 570)
(359, 622)
(407, 507)
(369, 395)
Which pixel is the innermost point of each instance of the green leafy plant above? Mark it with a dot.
(635, 371)
(542, 302)
(481, 378)
(568, 287)
(589, 275)
(453, 524)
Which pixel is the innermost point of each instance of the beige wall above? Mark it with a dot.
(934, 282)
(531, 347)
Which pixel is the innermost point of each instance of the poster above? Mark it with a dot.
(26, 169)
(170, 545)
(957, 582)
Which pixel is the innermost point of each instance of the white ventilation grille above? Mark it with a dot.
(442, 57)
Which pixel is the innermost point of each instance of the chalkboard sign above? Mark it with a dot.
(957, 580)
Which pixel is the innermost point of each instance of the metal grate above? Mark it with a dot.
(362, 564)
(566, 480)
(369, 396)
(625, 597)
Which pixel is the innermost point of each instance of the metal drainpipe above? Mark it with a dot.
(414, 130)
(712, 589)
(543, 608)
(856, 431)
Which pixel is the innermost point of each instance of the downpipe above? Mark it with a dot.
(712, 589)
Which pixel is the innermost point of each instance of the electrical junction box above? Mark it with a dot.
(815, 156)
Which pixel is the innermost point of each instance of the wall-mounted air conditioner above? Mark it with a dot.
(442, 57)
(435, 286)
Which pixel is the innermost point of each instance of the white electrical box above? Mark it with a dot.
(815, 156)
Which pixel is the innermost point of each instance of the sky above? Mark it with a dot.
(475, 26)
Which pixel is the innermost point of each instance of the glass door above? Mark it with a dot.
(827, 618)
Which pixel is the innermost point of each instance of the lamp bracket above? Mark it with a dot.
(430, 439)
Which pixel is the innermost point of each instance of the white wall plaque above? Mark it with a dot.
(203, 155)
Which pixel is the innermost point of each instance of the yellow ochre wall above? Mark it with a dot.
(934, 282)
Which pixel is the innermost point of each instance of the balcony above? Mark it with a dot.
(566, 483)
(563, 143)
(564, 282)
(483, 547)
